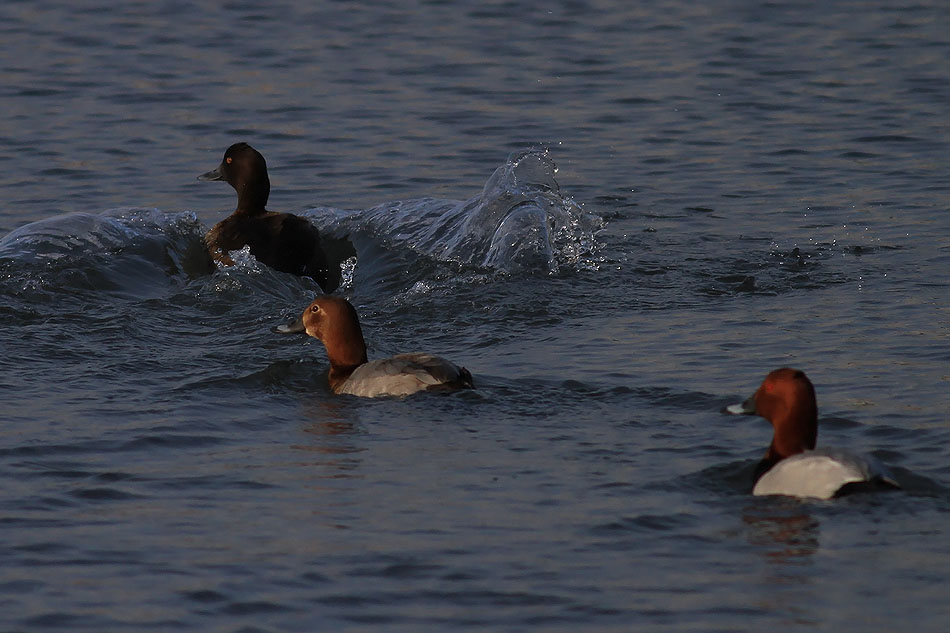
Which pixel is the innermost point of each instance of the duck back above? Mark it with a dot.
(405, 374)
(822, 474)
(282, 241)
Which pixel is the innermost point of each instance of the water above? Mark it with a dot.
(619, 218)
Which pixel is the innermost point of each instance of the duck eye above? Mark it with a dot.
(315, 308)
(228, 160)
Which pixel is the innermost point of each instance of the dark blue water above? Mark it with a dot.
(618, 216)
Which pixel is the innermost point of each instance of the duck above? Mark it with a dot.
(792, 466)
(333, 320)
(283, 241)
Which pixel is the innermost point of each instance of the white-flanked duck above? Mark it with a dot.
(792, 466)
(334, 321)
(282, 241)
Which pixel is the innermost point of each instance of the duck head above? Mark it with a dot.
(786, 398)
(334, 321)
(244, 168)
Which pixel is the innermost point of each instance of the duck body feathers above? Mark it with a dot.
(822, 473)
(282, 241)
(405, 374)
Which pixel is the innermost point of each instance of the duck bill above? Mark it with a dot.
(747, 407)
(294, 327)
(214, 174)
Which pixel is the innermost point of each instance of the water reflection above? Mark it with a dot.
(331, 431)
(787, 536)
(784, 531)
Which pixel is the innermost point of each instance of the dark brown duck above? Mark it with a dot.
(282, 241)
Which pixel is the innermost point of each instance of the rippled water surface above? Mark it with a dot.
(618, 216)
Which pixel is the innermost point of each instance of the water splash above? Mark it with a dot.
(347, 271)
(128, 251)
(519, 223)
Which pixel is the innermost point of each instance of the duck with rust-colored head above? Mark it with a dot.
(793, 466)
(282, 241)
(334, 321)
